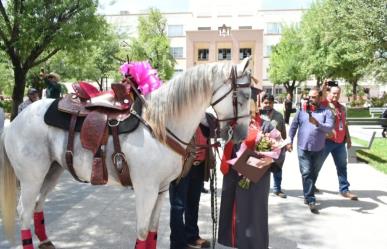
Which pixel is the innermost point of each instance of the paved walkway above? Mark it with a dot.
(79, 216)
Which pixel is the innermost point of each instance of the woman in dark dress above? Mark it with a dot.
(243, 217)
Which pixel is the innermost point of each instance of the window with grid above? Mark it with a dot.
(273, 28)
(177, 52)
(175, 30)
(203, 54)
(268, 50)
(278, 91)
(224, 54)
(244, 52)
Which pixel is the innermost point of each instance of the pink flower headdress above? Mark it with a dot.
(143, 74)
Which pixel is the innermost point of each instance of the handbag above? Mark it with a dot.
(252, 166)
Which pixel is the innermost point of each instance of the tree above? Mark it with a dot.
(286, 61)
(31, 32)
(312, 35)
(96, 64)
(153, 44)
(341, 38)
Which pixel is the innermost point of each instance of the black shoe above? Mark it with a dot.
(280, 194)
(313, 208)
(204, 190)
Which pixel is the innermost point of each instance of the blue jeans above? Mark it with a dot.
(309, 162)
(277, 176)
(184, 197)
(339, 154)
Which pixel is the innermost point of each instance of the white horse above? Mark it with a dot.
(34, 153)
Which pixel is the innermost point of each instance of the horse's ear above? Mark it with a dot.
(243, 65)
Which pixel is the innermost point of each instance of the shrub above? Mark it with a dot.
(6, 105)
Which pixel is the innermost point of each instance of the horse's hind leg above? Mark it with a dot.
(29, 192)
(151, 240)
(145, 203)
(49, 183)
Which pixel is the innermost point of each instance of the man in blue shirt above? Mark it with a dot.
(313, 122)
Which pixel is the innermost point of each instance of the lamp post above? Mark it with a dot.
(224, 30)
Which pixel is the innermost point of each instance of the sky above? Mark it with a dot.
(115, 6)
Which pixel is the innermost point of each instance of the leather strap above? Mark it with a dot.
(70, 148)
(119, 159)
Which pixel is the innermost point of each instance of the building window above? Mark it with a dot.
(177, 52)
(203, 54)
(175, 30)
(224, 54)
(204, 28)
(244, 52)
(245, 27)
(278, 91)
(268, 50)
(273, 28)
(269, 91)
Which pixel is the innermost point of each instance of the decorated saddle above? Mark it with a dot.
(97, 114)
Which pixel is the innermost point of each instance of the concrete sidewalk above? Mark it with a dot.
(79, 216)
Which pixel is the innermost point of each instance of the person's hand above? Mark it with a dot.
(289, 147)
(349, 143)
(314, 121)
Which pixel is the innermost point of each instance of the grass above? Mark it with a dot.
(358, 141)
(358, 113)
(376, 156)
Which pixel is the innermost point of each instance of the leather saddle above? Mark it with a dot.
(102, 112)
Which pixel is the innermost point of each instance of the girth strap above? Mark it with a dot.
(70, 148)
(119, 159)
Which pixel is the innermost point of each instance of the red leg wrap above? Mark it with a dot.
(140, 244)
(26, 238)
(40, 229)
(151, 240)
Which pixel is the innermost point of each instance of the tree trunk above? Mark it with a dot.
(318, 82)
(290, 89)
(354, 89)
(18, 89)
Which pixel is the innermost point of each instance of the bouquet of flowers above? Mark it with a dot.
(267, 147)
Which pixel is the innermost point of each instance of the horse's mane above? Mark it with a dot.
(185, 90)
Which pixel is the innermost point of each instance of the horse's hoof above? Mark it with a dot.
(47, 245)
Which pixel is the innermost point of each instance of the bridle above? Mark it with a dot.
(236, 83)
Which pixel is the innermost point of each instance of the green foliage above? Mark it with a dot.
(379, 102)
(99, 61)
(286, 62)
(31, 32)
(341, 37)
(6, 105)
(153, 44)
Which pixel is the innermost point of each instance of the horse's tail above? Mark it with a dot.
(8, 188)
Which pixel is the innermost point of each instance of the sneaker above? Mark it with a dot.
(313, 208)
(316, 190)
(280, 194)
(200, 243)
(349, 195)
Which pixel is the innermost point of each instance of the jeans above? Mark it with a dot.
(339, 154)
(184, 197)
(277, 176)
(309, 162)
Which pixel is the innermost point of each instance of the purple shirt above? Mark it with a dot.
(310, 137)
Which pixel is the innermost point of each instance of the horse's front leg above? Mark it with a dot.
(145, 204)
(151, 240)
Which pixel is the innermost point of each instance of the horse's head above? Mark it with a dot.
(231, 102)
